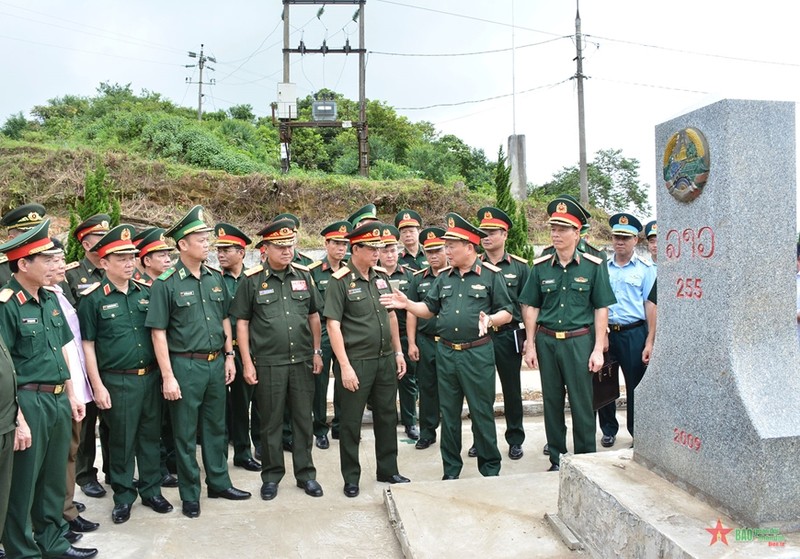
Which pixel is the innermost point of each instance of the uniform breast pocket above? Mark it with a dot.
(31, 336)
(302, 298)
(579, 291)
(512, 281)
(359, 304)
(186, 306)
(634, 280)
(403, 286)
(548, 288)
(217, 295)
(268, 304)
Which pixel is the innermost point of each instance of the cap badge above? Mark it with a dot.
(161, 238)
(623, 220)
(200, 214)
(431, 235)
(220, 232)
(386, 232)
(285, 231)
(104, 224)
(33, 216)
(406, 216)
(343, 229)
(125, 235)
(654, 228)
(451, 222)
(487, 215)
(376, 232)
(561, 208)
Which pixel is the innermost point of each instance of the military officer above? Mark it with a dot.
(299, 257)
(469, 298)
(34, 330)
(155, 255)
(565, 309)
(422, 336)
(20, 219)
(631, 279)
(191, 332)
(231, 243)
(335, 247)
(369, 358)
(365, 214)
(277, 307)
(80, 276)
(408, 223)
(401, 276)
(496, 223)
(122, 369)
(651, 234)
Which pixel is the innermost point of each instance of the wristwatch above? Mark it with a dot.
(229, 354)
(318, 352)
(398, 354)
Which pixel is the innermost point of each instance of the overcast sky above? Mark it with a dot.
(647, 61)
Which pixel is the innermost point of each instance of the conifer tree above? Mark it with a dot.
(517, 242)
(97, 199)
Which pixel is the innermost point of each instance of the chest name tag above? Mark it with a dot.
(144, 301)
(447, 287)
(187, 293)
(111, 306)
(266, 291)
(380, 283)
(354, 291)
(478, 287)
(30, 321)
(216, 289)
(582, 280)
(548, 282)
(426, 284)
(299, 285)
(510, 276)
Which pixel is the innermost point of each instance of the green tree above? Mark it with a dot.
(97, 199)
(14, 126)
(614, 184)
(242, 112)
(517, 242)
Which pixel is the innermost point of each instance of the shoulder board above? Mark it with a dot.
(544, 258)
(140, 282)
(518, 258)
(49, 288)
(591, 246)
(6, 294)
(72, 265)
(422, 271)
(254, 270)
(3, 258)
(646, 261)
(314, 264)
(167, 274)
(213, 268)
(592, 258)
(380, 269)
(342, 272)
(300, 266)
(304, 255)
(446, 269)
(490, 266)
(89, 289)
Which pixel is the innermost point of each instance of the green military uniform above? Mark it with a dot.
(142, 277)
(457, 300)
(414, 263)
(8, 425)
(567, 297)
(277, 303)
(81, 276)
(353, 301)
(114, 321)
(427, 380)
(191, 311)
(407, 386)
(35, 331)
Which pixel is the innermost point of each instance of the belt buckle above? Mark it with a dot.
(496, 328)
(211, 356)
(141, 372)
(616, 327)
(436, 338)
(561, 335)
(456, 347)
(58, 389)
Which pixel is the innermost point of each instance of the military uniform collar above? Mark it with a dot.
(576, 257)
(228, 273)
(631, 262)
(108, 287)
(21, 295)
(505, 258)
(475, 269)
(89, 266)
(357, 275)
(270, 272)
(184, 272)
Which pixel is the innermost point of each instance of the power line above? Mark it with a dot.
(475, 53)
(653, 86)
(474, 101)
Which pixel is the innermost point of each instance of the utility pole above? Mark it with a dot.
(201, 63)
(584, 179)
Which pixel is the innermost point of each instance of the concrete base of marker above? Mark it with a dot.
(618, 508)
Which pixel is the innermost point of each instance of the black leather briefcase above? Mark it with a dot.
(606, 382)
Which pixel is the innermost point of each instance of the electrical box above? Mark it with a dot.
(287, 101)
(323, 111)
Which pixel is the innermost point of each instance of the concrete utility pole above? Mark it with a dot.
(201, 63)
(584, 180)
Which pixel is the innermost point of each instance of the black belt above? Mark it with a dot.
(623, 327)
(202, 356)
(466, 345)
(431, 337)
(49, 388)
(139, 372)
(565, 335)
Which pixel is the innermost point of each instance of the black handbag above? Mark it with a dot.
(605, 382)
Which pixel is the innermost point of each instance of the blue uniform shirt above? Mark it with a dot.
(631, 284)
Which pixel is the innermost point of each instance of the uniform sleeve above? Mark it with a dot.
(8, 325)
(501, 300)
(87, 316)
(334, 299)
(531, 294)
(653, 295)
(524, 274)
(413, 284)
(158, 313)
(317, 303)
(602, 294)
(241, 306)
(228, 297)
(649, 281)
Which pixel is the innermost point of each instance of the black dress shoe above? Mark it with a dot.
(413, 432)
(269, 490)
(80, 524)
(78, 553)
(546, 449)
(394, 478)
(422, 444)
(335, 435)
(472, 452)
(169, 480)
(311, 487)
(191, 509)
(515, 451)
(350, 490)
(158, 503)
(231, 493)
(608, 440)
(553, 468)
(322, 442)
(72, 537)
(121, 513)
(250, 465)
(79, 506)
(288, 446)
(93, 489)
(447, 477)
